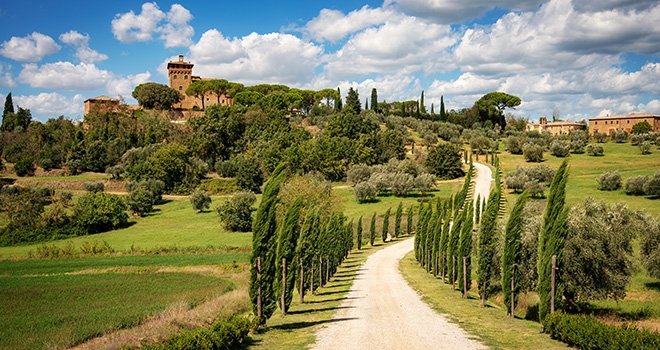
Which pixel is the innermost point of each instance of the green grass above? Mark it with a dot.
(489, 323)
(585, 170)
(62, 310)
(174, 224)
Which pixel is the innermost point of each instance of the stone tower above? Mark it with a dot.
(179, 74)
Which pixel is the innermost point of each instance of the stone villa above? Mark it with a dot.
(556, 127)
(609, 124)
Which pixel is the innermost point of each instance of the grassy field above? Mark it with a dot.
(489, 323)
(585, 170)
(59, 303)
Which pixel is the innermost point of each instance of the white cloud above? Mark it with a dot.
(124, 86)
(173, 26)
(81, 43)
(64, 75)
(6, 77)
(256, 58)
(51, 104)
(333, 25)
(31, 48)
(452, 11)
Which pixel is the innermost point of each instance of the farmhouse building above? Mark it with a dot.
(180, 76)
(100, 104)
(556, 127)
(611, 123)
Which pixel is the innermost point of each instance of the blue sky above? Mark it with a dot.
(577, 58)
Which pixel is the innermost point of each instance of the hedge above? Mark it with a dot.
(586, 332)
(226, 334)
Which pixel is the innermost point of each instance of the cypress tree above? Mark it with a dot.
(264, 243)
(511, 255)
(428, 241)
(359, 233)
(443, 114)
(366, 104)
(374, 100)
(353, 101)
(551, 240)
(444, 238)
(422, 106)
(9, 106)
(338, 103)
(409, 220)
(306, 250)
(286, 250)
(452, 245)
(432, 111)
(465, 248)
(488, 242)
(477, 210)
(419, 235)
(437, 234)
(372, 230)
(386, 225)
(397, 220)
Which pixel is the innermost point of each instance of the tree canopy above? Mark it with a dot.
(156, 96)
(491, 107)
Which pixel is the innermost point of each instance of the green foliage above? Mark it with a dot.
(652, 186)
(465, 247)
(397, 220)
(365, 192)
(286, 249)
(94, 186)
(236, 213)
(140, 199)
(533, 152)
(488, 243)
(635, 185)
(18, 121)
(586, 332)
(374, 100)
(552, 240)
(453, 241)
(600, 137)
(609, 181)
(200, 200)
(24, 166)
(620, 136)
(642, 128)
(372, 230)
(645, 147)
(560, 148)
(216, 133)
(534, 179)
(219, 186)
(650, 248)
(595, 150)
(307, 246)
(249, 176)
(359, 233)
(353, 102)
(156, 96)
(264, 246)
(409, 220)
(226, 168)
(492, 105)
(9, 107)
(512, 257)
(444, 161)
(99, 212)
(225, 334)
(386, 225)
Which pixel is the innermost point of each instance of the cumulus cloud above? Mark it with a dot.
(452, 11)
(6, 77)
(333, 25)
(64, 75)
(30, 48)
(81, 43)
(123, 86)
(51, 104)
(256, 58)
(172, 27)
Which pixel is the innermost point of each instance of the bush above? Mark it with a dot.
(652, 186)
(636, 139)
(249, 176)
(641, 128)
(99, 212)
(645, 147)
(609, 181)
(444, 161)
(200, 200)
(620, 136)
(585, 332)
(226, 334)
(635, 185)
(365, 191)
(533, 153)
(424, 182)
(24, 167)
(236, 213)
(595, 150)
(534, 178)
(650, 249)
(94, 187)
(560, 148)
(115, 171)
(358, 173)
(226, 168)
(140, 200)
(600, 137)
(514, 144)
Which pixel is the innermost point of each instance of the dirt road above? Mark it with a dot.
(383, 312)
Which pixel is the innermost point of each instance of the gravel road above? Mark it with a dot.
(383, 312)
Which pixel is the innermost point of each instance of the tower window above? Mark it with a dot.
(180, 88)
(174, 76)
(185, 77)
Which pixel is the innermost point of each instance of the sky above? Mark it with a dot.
(572, 58)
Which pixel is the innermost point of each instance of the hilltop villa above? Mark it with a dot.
(556, 127)
(609, 124)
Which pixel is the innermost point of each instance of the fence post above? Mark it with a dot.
(465, 277)
(259, 311)
(552, 284)
(283, 286)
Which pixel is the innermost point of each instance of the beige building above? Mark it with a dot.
(555, 128)
(611, 123)
(180, 76)
(100, 104)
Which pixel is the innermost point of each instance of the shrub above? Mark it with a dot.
(533, 152)
(535, 188)
(24, 167)
(236, 213)
(636, 139)
(577, 146)
(444, 161)
(514, 144)
(652, 186)
(94, 187)
(595, 150)
(226, 168)
(140, 200)
(365, 192)
(358, 173)
(249, 176)
(635, 185)
(620, 136)
(99, 212)
(226, 334)
(115, 171)
(200, 200)
(585, 332)
(645, 147)
(560, 148)
(534, 178)
(402, 183)
(609, 181)
(424, 182)
(650, 249)
(600, 137)
(641, 128)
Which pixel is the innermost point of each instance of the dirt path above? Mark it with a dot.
(382, 312)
